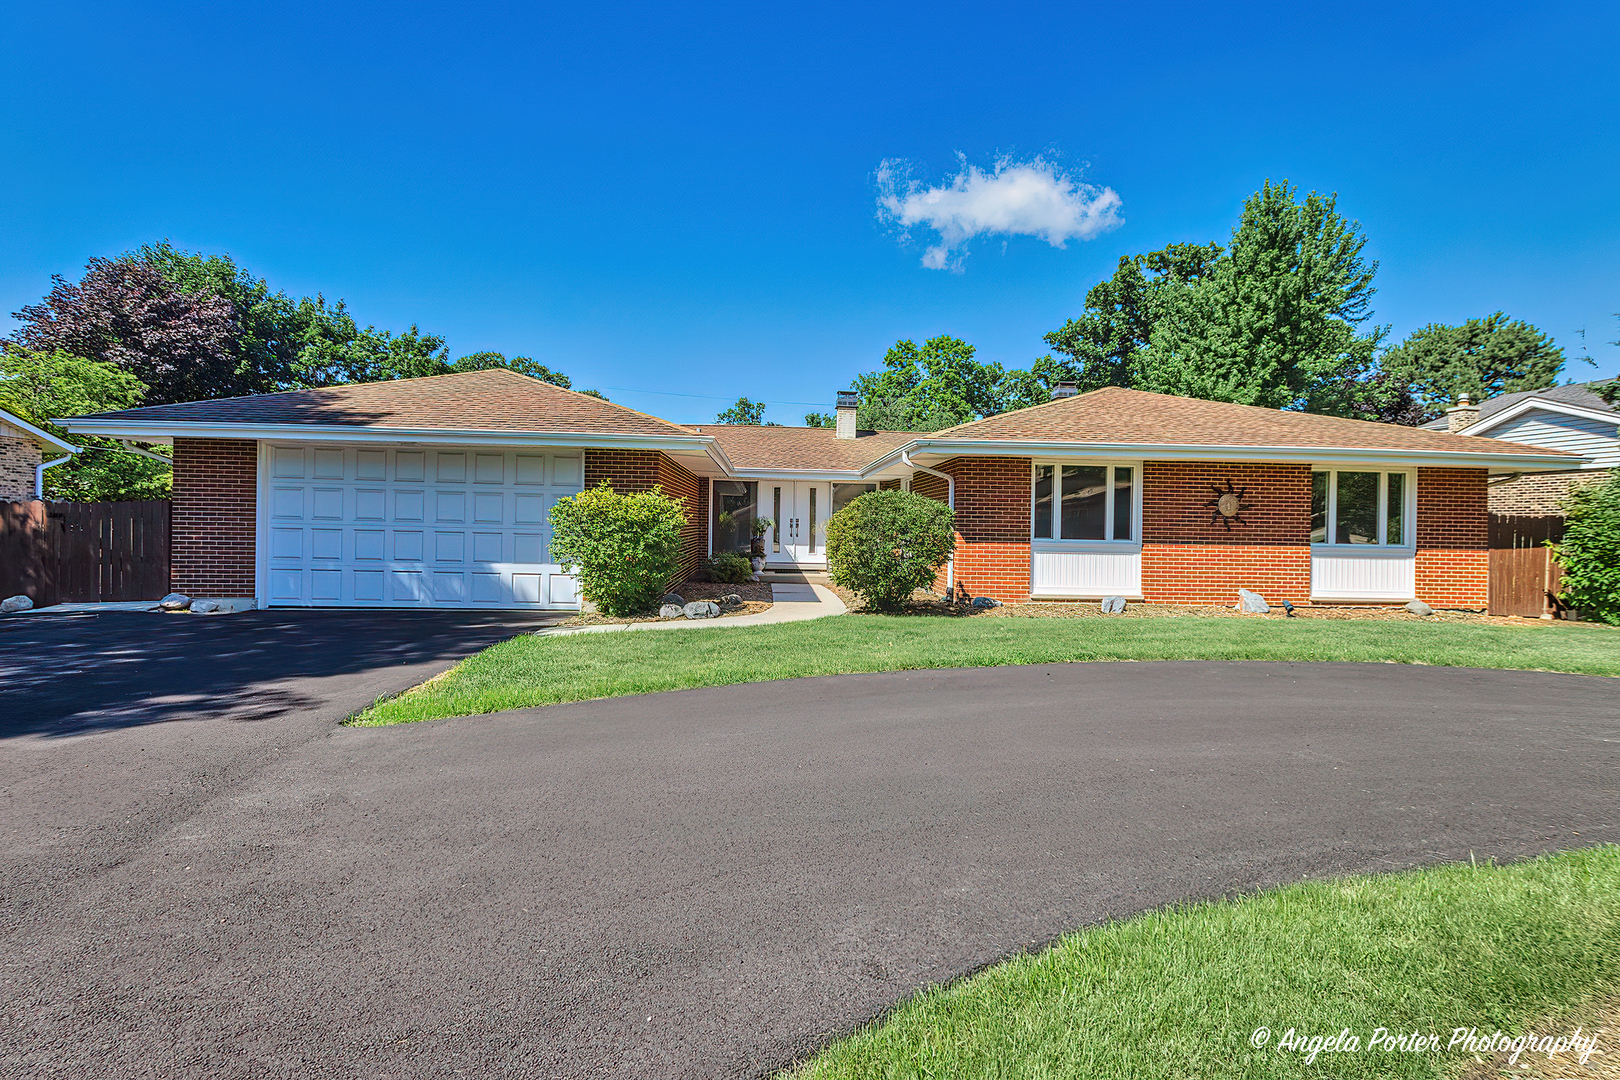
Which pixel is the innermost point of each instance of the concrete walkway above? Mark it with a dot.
(789, 603)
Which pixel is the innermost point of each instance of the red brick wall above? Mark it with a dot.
(992, 523)
(1453, 532)
(1189, 559)
(213, 518)
(630, 471)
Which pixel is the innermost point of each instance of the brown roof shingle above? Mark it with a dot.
(749, 447)
(1116, 415)
(492, 400)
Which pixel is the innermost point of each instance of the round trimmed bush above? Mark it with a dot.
(885, 545)
(624, 548)
(730, 568)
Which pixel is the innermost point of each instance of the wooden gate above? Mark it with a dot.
(26, 565)
(115, 551)
(1524, 577)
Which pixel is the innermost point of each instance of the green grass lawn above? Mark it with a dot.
(1180, 993)
(532, 670)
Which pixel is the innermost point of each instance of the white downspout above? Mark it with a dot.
(950, 499)
(39, 474)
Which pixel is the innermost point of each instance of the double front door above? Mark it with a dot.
(799, 508)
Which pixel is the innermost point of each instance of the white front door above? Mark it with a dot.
(800, 509)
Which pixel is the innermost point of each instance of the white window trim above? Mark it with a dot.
(1410, 508)
(1054, 543)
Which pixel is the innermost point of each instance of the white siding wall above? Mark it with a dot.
(1556, 431)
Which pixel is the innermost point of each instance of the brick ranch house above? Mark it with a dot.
(435, 492)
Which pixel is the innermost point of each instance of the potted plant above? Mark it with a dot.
(756, 549)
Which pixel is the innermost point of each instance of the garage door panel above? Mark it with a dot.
(453, 527)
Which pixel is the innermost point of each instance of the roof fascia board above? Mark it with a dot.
(1507, 462)
(141, 430)
(797, 474)
(18, 422)
(1518, 409)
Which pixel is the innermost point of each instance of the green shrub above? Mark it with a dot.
(624, 548)
(730, 567)
(885, 545)
(1590, 552)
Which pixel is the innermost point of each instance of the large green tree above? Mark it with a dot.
(937, 385)
(1277, 320)
(1101, 347)
(1481, 358)
(41, 386)
(744, 412)
(192, 326)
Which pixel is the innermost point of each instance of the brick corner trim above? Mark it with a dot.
(214, 517)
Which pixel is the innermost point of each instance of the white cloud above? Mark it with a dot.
(1032, 198)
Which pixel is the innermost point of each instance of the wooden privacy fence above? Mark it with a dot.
(110, 551)
(1525, 579)
(62, 552)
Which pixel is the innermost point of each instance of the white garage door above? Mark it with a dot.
(463, 527)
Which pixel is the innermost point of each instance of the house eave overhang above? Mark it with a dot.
(1324, 455)
(38, 433)
(166, 432)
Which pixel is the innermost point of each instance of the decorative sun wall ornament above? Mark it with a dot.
(1227, 506)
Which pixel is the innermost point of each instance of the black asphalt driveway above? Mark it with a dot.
(64, 673)
(713, 882)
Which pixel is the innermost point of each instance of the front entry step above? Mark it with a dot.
(794, 577)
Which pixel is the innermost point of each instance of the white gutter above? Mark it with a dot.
(39, 474)
(1503, 461)
(950, 499)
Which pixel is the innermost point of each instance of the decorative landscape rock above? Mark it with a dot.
(12, 604)
(671, 611)
(674, 598)
(1113, 605)
(985, 602)
(1418, 607)
(175, 602)
(1252, 603)
(701, 609)
(204, 607)
(731, 599)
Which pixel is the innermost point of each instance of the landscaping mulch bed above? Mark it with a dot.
(756, 597)
(927, 604)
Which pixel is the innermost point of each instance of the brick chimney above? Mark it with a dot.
(1064, 389)
(1461, 415)
(847, 402)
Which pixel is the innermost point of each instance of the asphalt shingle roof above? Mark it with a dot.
(1568, 394)
(750, 447)
(1117, 415)
(491, 400)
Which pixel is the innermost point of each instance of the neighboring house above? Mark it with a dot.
(436, 492)
(24, 449)
(1570, 418)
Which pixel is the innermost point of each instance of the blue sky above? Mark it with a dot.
(652, 199)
